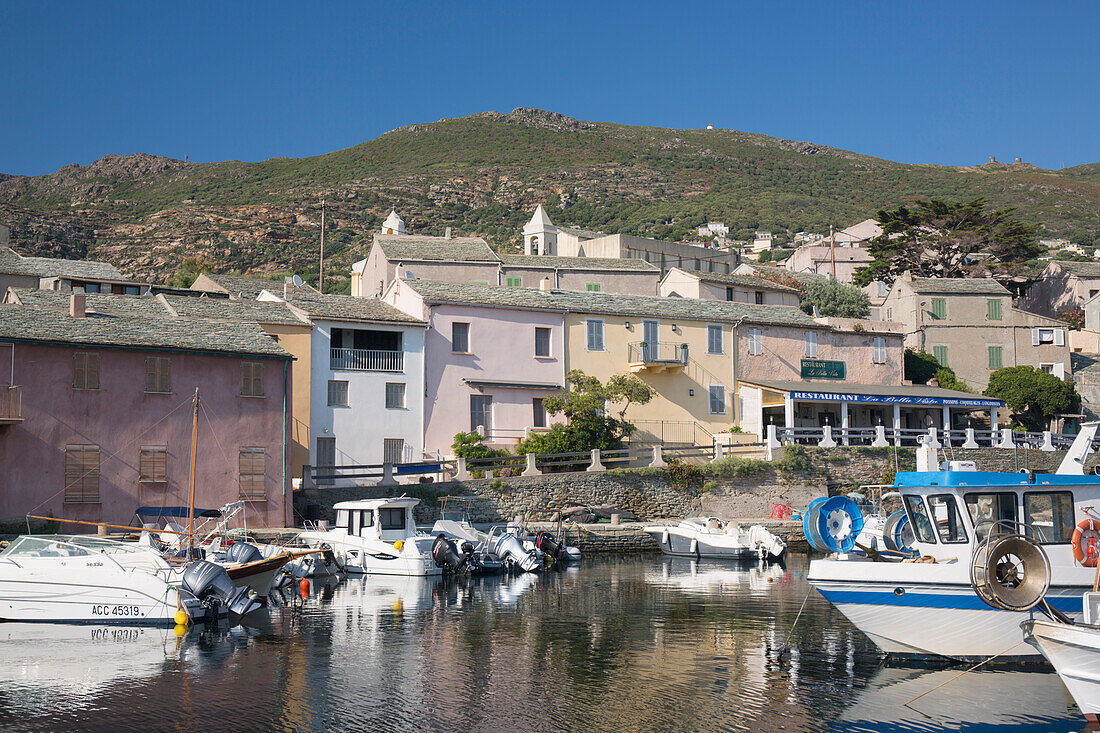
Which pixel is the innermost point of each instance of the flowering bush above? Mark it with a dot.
(1075, 317)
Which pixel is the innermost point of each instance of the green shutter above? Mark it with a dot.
(513, 282)
(996, 360)
(939, 308)
(940, 352)
(993, 309)
(592, 287)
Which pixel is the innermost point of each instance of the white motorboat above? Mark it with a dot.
(91, 579)
(710, 536)
(376, 536)
(928, 608)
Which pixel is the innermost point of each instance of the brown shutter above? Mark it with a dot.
(246, 378)
(82, 473)
(78, 371)
(91, 371)
(150, 374)
(258, 380)
(154, 463)
(165, 382)
(252, 468)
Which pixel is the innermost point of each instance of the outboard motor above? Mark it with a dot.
(212, 585)
(447, 555)
(243, 553)
(510, 551)
(545, 542)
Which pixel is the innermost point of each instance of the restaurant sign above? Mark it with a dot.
(897, 399)
(822, 369)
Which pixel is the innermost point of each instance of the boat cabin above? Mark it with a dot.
(388, 520)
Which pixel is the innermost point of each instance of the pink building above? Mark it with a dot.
(96, 415)
(488, 362)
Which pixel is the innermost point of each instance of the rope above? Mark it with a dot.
(960, 674)
(116, 453)
(787, 643)
(225, 456)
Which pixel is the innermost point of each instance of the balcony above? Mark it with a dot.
(658, 357)
(367, 360)
(11, 405)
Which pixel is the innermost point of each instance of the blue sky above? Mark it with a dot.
(936, 82)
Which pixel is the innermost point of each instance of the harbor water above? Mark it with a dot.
(644, 643)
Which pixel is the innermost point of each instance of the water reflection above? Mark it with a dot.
(624, 643)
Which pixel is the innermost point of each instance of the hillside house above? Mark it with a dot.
(682, 283)
(1062, 285)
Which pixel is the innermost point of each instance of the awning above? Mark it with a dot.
(511, 385)
(174, 511)
(918, 395)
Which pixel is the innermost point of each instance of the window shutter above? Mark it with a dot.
(165, 381)
(82, 473)
(1034, 337)
(78, 371)
(1059, 337)
(1060, 370)
(91, 371)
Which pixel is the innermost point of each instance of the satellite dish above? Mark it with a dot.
(297, 281)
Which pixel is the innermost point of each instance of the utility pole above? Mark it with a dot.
(832, 248)
(321, 269)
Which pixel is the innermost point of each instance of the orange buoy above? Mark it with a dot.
(304, 586)
(1086, 542)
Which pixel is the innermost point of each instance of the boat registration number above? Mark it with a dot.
(116, 611)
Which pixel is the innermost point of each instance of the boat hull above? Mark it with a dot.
(1074, 651)
(111, 602)
(374, 557)
(679, 544)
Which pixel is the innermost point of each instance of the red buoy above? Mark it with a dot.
(304, 585)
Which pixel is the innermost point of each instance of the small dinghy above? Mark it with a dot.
(715, 537)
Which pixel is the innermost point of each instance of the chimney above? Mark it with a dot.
(447, 233)
(76, 305)
(288, 289)
(544, 285)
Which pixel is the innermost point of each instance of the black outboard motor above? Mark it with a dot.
(545, 542)
(243, 553)
(447, 556)
(212, 585)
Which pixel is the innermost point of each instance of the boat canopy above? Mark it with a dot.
(175, 511)
(963, 479)
(372, 504)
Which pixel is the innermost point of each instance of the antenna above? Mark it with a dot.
(297, 281)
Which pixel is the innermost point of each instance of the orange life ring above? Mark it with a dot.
(1086, 542)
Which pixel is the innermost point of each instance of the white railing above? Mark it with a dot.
(367, 360)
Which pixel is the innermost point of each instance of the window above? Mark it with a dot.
(252, 467)
(82, 474)
(756, 342)
(945, 514)
(939, 308)
(940, 352)
(158, 374)
(393, 450)
(996, 357)
(716, 394)
(481, 413)
(987, 509)
(395, 395)
(91, 287)
(85, 371)
(1046, 367)
(729, 294)
(153, 466)
(714, 338)
(758, 297)
(878, 350)
(889, 314)
(542, 342)
(594, 328)
(1049, 516)
(337, 393)
(252, 379)
(918, 518)
(391, 518)
(592, 287)
(460, 338)
(993, 309)
(882, 289)
(1046, 336)
(538, 418)
(811, 344)
(513, 282)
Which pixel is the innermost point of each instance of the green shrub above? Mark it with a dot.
(682, 474)
(795, 458)
(736, 467)
(709, 486)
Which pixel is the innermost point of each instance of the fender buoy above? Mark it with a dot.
(694, 547)
(1086, 542)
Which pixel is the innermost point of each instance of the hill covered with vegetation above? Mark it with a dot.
(482, 175)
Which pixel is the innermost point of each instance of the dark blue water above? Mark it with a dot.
(624, 644)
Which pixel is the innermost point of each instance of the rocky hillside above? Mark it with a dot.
(482, 175)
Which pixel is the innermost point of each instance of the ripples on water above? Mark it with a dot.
(649, 643)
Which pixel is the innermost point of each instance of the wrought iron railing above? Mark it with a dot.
(661, 352)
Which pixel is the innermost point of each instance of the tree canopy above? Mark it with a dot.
(835, 299)
(1034, 396)
(939, 239)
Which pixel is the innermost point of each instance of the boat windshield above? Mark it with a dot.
(65, 546)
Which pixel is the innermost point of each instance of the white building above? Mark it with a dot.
(714, 228)
(366, 380)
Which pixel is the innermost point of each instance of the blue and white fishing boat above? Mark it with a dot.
(925, 606)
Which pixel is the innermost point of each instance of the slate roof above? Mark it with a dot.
(578, 263)
(749, 281)
(12, 263)
(349, 308)
(26, 324)
(119, 305)
(221, 309)
(804, 277)
(249, 288)
(958, 286)
(411, 247)
(1081, 269)
(580, 233)
(569, 301)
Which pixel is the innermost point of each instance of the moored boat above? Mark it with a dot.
(709, 536)
(376, 536)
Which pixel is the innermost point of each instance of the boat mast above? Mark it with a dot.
(191, 500)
